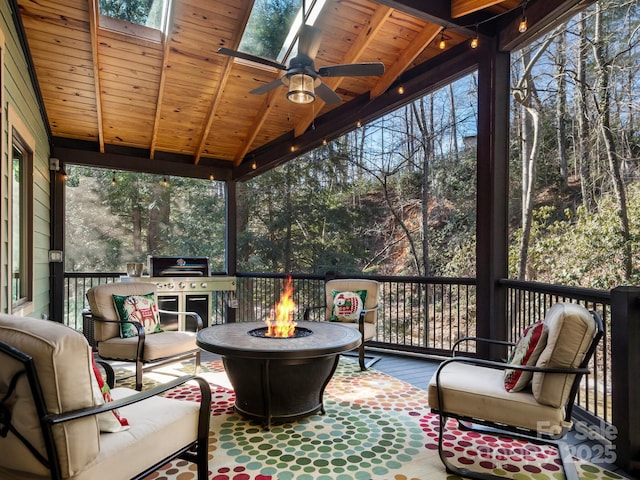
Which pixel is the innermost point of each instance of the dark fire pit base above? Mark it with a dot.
(275, 391)
(279, 379)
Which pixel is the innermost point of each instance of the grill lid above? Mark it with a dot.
(175, 266)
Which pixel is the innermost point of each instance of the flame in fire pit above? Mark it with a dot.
(280, 322)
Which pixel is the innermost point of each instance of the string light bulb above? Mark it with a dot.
(324, 141)
(165, 182)
(442, 44)
(475, 41)
(211, 177)
(113, 181)
(401, 89)
(254, 165)
(358, 124)
(293, 148)
(522, 26)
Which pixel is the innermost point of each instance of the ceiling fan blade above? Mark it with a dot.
(327, 95)
(309, 41)
(266, 87)
(352, 70)
(251, 58)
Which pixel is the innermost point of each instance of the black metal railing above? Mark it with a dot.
(418, 314)
(528, 302)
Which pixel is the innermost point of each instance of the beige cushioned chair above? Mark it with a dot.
(48, 411)
(146, 350)
(473, 391)
(367, 321)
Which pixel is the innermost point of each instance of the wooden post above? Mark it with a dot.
(625, 368)
(231, 244)
(492, 194)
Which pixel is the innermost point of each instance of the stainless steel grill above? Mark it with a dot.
(185, 284)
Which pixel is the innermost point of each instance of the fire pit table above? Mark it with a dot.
(279, 379)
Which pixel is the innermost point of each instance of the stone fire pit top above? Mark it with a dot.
(233, 339)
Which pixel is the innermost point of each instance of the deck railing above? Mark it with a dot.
(528, 301)
(418, 314)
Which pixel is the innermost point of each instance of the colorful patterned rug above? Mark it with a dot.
(375, 427)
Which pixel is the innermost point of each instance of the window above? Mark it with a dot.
(21, 224)
(150, 13)
(273, 26)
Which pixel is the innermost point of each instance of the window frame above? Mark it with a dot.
(21, 139)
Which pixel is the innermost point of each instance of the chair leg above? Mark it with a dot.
(568, 464)
(138, 375)
(197, 367)
(361, 357)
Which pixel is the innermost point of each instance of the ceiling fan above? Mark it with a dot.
(301, 76)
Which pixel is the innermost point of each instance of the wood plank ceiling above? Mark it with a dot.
(109, 84)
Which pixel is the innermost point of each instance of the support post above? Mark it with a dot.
(625, 364)
(492, 195)
(57, 242)
(231, 241)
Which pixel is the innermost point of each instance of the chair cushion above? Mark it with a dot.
(160, 345)
(571, 330)
(137, 308)
(347, 306)
(159, 427)
(478, 392)
(526, 352)
(100, 299)
(369, 329)
(62, 358)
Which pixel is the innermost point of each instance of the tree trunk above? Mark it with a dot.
(523, 94)
(604, 109)
(583, 121)
(158, 217)
(561, 109)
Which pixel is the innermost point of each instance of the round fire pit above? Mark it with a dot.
(279, 379)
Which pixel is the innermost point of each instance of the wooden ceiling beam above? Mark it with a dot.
(93, 29)
(417, 45)
(438, 12)
(460, 8)
(366, 36)
(224, 77)
(542, 17)
(135, 163)
(165, 61)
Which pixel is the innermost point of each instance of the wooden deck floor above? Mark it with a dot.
(418, 370)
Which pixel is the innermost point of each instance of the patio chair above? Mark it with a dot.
(543, 377)
(355, 303)
(147, 347)
(59, 421)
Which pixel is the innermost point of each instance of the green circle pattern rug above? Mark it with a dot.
(375, 427)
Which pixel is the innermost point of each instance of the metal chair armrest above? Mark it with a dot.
(195, 315)
(462, 340)
(205, 390)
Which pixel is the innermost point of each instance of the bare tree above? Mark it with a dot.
(603, 105)
(523, 94)
(561, 107)
(586, 182)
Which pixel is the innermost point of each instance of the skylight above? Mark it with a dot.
(273, 27)
(150, 13)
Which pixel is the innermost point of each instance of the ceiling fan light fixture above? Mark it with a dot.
(301, 89)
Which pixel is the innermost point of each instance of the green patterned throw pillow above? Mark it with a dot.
(137, 308)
